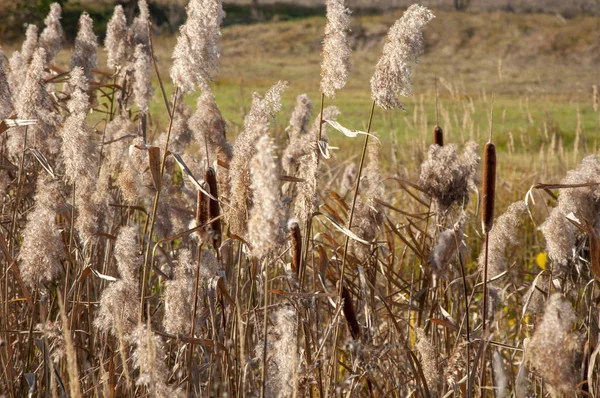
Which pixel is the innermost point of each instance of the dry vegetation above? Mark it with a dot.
(161, 234)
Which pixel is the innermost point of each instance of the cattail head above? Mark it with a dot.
(336, 48)
(197, 50)
(350, 314)
(404, 43)
(52, 37)
(86, 44)
(214, 210)
(296, 239)
(116, 42)
(438, 135)
(488, 190)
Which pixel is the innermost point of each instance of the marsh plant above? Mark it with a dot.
(202, 259)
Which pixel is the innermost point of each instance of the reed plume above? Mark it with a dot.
(197, 50)
(6, 104)
(85, 53)
(52, 37)
(116, 42)
(335, 67)
(404, 42)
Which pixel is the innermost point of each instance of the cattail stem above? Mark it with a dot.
(487, 220)
(347, 241)
(154, 211)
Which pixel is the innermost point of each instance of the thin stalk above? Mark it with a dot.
(347, 241)
(193, 327)
(484, 310)
(154, 211)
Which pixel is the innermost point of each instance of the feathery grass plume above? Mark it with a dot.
(149, 357)
(446, 177)
(282, 353)
(429, 363)
(368, 217)
(449, 242)
(116, 42)
(80, 155)
(501, 236)
(555, 349)
(86, 47)
(297, 132)
(179, 295)
(181, 133)
(34, 102)
(120, 303)
(30, 45)
(52, 37)
(142, 87)
(139, 27)
(348, 179)
(17, 73)
(42, 250)
(306, 161)
(501, 378)
(583, 203)
(300, 116)
(77, 145)
(197, 50)
(207, 125)
(266, 221)
(256, 125)
(335, 66)
(6, 104)
(393, 71)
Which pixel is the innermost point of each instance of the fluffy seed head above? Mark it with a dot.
(447, 177)
(139, 26)
(335, 67)
(116, 42)
(266, 216)
(30, 45)
(197, 49)
(555, 348)
(86, 46)
(142, 88)
(501, 236)
(300, 116)
(52, 37)
(404, 43)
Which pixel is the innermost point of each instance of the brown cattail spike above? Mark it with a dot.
(202, 210)
(296, 239)
(213, 208)
(438, 135)
(350, 313)
(489, 187)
